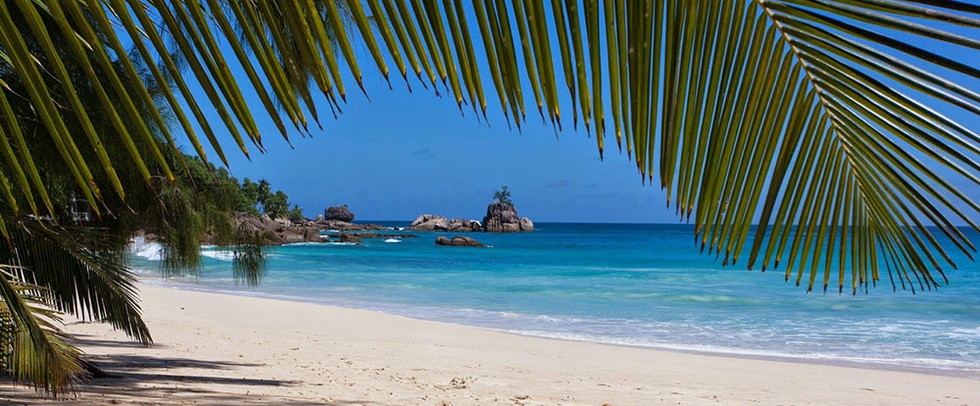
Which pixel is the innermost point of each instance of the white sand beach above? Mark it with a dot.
(214, 349)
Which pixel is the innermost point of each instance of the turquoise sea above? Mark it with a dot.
(626, 284)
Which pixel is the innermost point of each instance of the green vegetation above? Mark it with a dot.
(296, 213)
(820, 121)
(70, 257)
(257, 198)
(503, 196)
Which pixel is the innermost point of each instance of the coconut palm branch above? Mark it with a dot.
(35, 350)
(82, 270)
(825, 122)
(58, 270)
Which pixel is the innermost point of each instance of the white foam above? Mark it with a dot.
(921, 362)
(150, 251)
(318, 244)
(393, 240)
(219, 255)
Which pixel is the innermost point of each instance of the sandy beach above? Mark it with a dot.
(216, 349)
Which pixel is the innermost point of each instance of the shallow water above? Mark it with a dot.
(642, 285)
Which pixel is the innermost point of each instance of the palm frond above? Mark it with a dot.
(826, 122)
(37, 352)
(82, 271)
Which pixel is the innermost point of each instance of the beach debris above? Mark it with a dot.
(519, 399)
(460, 382)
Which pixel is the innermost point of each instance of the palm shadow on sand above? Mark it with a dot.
(153, 380)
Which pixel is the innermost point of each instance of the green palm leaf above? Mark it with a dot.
(39, 354)
(61, 270)
(825, 122)
(83, 272)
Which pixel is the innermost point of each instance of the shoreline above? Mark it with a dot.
(213, 348)
(874, 365)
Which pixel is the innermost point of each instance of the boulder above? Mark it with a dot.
(430, 222)
(458, 241)
(270, 224)
(262, 227)
(291, 236)
(464, 225)
(341, 213)
(502, 218)
(311, 234)
(319, 218)
(526, 224)
(344, 237)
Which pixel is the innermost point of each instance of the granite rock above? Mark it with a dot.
(503, 218)
(341, 213)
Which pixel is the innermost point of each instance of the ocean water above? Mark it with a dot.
(624, 284)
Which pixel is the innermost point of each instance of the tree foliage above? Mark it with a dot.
(296, 213)
(72, 259)
(249, 197)
(503, 196)
(255, 198)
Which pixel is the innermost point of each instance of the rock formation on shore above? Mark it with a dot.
(503, 218)
(431, 222)
(283, 231)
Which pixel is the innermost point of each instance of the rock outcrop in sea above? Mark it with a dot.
(432, 222)
(340, 213)
(502, 218)
(458, 241)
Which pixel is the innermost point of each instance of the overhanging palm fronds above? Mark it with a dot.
(82, 271)
(824, 121)
(59, 270)
(36, 352)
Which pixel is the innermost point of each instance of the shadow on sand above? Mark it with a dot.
(148, 380)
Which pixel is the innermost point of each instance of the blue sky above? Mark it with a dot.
(402, 154)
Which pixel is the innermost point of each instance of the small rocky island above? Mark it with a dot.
(501, 218)
(432, 222)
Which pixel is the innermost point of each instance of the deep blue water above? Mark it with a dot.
(642, 285)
